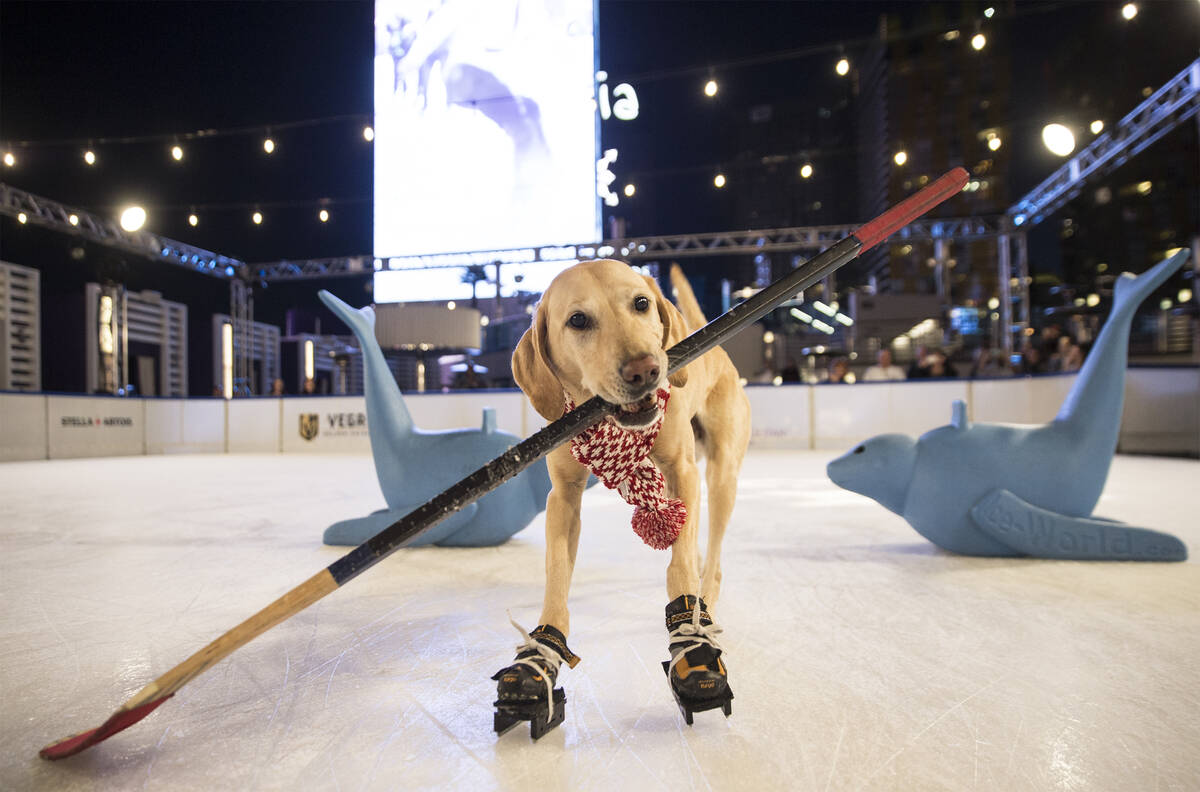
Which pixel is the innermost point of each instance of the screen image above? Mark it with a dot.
(485, 127)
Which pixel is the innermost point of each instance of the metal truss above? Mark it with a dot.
(17, 203)
(1163, 111)
(775, 240)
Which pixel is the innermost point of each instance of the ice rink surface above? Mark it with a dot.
(861, 656)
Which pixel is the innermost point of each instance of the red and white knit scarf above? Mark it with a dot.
(620, 458)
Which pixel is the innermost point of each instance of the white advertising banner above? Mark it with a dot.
(780, 416)
(22, 426)
(254, 426)
(95, 426)
(325, 425)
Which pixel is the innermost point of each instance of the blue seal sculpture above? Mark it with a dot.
(415, 465)
(997, 490)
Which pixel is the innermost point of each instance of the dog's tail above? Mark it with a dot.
(685, 298)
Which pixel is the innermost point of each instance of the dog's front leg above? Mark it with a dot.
(678, 466)
(569, 479)
(696, 671)
(525, 689)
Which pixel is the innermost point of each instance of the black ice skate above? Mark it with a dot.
(525, 690)
(698, 677)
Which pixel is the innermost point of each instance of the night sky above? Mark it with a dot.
(78, 71)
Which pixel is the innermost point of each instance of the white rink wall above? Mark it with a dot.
(1162, 415)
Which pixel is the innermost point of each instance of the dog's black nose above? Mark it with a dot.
(640, 371)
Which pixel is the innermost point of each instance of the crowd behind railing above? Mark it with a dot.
(1052, 352)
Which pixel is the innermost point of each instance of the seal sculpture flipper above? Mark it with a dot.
(1037, 532)
(360, 529)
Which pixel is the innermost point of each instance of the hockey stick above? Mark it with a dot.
(502, 468)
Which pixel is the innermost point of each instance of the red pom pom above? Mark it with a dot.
(660, 528)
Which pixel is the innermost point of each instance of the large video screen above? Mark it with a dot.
(485, 127)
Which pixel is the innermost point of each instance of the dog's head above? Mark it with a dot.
(600, 329)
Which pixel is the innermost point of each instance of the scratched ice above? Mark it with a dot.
(861, 657)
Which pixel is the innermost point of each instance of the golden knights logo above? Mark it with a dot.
(310, 424)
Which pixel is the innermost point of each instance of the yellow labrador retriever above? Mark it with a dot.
(603, 330)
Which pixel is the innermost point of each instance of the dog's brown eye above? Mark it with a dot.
(578, 320)
(641, 304)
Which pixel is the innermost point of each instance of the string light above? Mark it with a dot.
(73, 219)
(257, 218)
(133, 218)
(900, 157)
(978, 41)
(994, 143)
(1129, 11)
(22, 218)
(269, 146)
(177, 152)
(989, 12)
(193, 220)
(842, 68)
(368, 133)
(323, 215)
(9, 159)
(719, 180)
(710, 88)
(1058, 139)
(1097, 127)
(630, 190)
(806, 170)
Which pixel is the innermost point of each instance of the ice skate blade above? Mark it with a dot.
(509, 714)
(688, 705)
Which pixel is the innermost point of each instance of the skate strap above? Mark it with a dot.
(694, 634)
(620, 458)
(545, 653)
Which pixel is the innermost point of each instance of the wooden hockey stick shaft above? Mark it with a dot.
(499, 470)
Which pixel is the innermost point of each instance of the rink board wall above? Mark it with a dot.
(1162, 415)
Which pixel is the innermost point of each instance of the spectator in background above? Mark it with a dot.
(310, 387)
(839, 371)
(884, 370)
(986, 363)
(469, 378)
(277, 387)
(919, 367)
(1072, 359)
(939, 366)
(1031, 360)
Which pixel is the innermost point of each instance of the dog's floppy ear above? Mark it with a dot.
(674, 327)
(532, 370)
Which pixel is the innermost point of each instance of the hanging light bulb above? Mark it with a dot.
(994, 143)
(9, 159)
(133, 218)
(257, 217)
(900, 157)
(806, 170)
(1058, 139)
(22, 218)
(73, 219)
(368, 133)
(719, 180)
(323, 215)
(710, 88)
(842, 68)
(630, 190)
(89, 157)
(978, 41)
(269, 145)
(193, 220)
(177, 152)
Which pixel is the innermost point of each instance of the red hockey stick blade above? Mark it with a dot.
(119, 721)
(911, 208)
